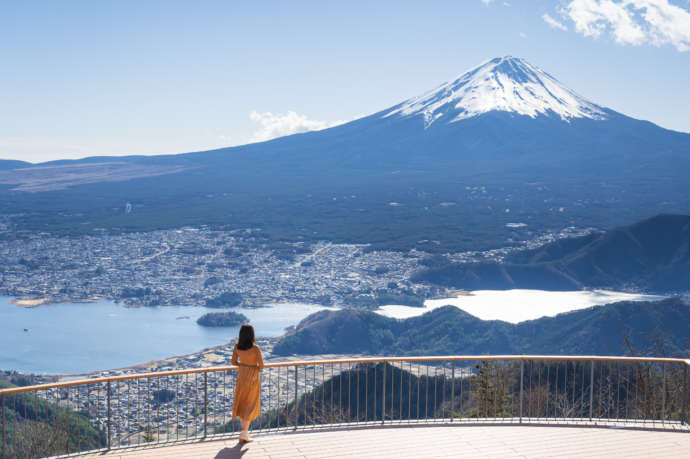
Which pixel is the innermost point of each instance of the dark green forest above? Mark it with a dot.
(34, 428)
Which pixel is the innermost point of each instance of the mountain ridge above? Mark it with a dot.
(652, 255)
(451, 331)
(12, 164)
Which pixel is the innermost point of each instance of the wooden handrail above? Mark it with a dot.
(576, 358)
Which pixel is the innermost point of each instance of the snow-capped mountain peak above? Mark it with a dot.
(507, 84)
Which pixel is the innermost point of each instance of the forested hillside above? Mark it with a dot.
(653, 255)
(448, 330)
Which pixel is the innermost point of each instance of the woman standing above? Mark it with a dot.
(247, 403)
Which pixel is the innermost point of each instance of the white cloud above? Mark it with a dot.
(632, 22)
(486, 2)
(553, 23)
(277, 125)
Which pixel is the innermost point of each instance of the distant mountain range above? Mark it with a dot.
(12, 164)
(661, 327)
(653, 255)
(445, 171)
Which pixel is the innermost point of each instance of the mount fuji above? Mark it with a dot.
(505, 84)
(504, 143)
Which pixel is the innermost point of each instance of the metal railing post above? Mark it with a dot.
(296, 400)
(684, 414)
(452, 391)
(522, 378)
(663, 392)
(205, 402)
(3, 444)
(108, 414)
(383, 395)
(591, 391)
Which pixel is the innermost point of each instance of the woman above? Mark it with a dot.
(247, 356)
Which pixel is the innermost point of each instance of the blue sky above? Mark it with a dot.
(109, 78)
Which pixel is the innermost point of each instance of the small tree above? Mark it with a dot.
(494, 384)
(148, 434)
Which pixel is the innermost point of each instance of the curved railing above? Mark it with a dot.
(73, 417)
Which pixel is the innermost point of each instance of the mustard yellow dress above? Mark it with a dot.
(247, 402)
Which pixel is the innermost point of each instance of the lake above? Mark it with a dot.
(519, 305)
(84, 337)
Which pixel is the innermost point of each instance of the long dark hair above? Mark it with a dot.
(246, 339)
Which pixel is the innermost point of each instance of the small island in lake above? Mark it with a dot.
(222, 319)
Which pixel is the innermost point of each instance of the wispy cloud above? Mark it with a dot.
(277, 125)
(553, 23)
(486, 2)
(632, 22)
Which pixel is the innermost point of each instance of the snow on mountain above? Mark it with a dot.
(507, 84)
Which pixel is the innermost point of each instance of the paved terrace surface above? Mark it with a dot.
(433, 442)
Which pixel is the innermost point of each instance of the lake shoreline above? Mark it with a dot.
(79, 338)
(47, 301)
(28, 302)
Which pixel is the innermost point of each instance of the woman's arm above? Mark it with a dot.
(235, 361)
(259, 358)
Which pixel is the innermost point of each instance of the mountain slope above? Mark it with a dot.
(534, 147)
(653, 255)
(451, 331)
(12, 164)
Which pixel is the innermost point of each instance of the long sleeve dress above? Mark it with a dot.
(247, 402)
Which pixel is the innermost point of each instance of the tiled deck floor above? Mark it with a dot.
(433, 442)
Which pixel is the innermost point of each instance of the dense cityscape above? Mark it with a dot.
(202, 266)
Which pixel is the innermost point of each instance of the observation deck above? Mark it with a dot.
(441, 406)
(446, 441)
